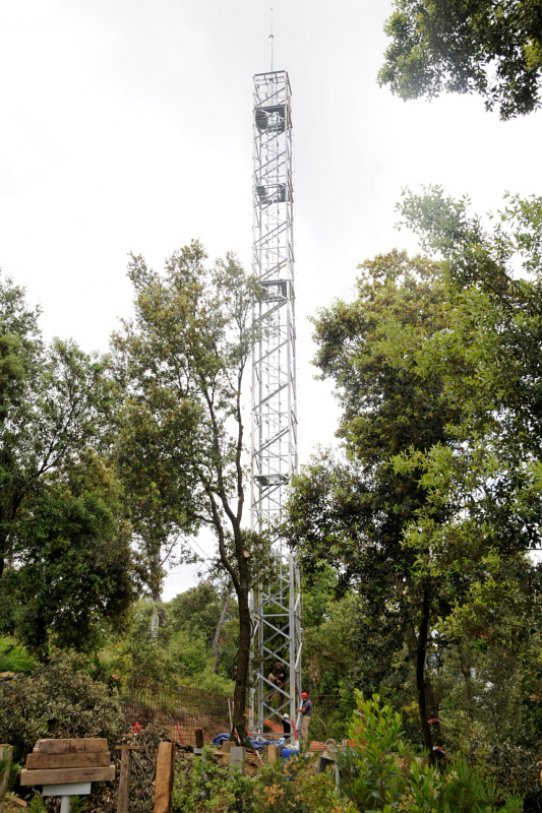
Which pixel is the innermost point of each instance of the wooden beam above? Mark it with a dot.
(90, 759)
(163, 790)
(6, 752)
(61, 776)
(272, 754)
(68, 746)
(124, 781)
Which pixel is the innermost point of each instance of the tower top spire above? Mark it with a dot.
(271, 39)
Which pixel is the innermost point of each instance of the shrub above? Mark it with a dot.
(59, 699)
(294, 787)
(384, 773)
(202, 786)
(13, 657)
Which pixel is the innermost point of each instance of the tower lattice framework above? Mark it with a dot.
(276, 603)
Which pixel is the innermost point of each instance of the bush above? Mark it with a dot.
(59, 699)
(464, 789)
(296, 788)
(384, 773)
(13, 657)
(202, 786)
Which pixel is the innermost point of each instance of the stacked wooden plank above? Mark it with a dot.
(68, 761)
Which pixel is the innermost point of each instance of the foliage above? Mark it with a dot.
(490, 48)
(55, 402)
(330, 660)
(353, 516)
(60, 507)
(74, 571)
(295, 787)
(41, 805)
(329, 655)
(204, 786)
(179, 653)
(14, 657)
(182, 362)
(37, 805)
(382, 772)
(488, 478)
(197, 610)
(208, 612)
(58, 699)
(432, 512)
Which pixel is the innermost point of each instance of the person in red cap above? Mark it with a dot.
(306, 713)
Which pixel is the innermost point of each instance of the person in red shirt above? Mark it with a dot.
(306, 713)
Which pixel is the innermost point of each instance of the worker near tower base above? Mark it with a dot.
(306, 714)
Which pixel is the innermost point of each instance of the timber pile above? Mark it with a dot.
(68, 761)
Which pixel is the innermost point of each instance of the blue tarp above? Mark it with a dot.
(285, 751)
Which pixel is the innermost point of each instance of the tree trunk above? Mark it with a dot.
(242, 666)
(421, 649)
(155, 623)
(469, 694)
(219, 625)
(3, 552)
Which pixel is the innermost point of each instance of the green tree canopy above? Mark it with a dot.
(73, 572)
(64, 557)
(438, 499)
(182, 362)
(55, 402)
(467, 46)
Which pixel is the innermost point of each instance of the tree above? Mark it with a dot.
(64, 557)
(488, 674)
(354, 516)
(183, 361)
(208, 610)
(157, 487)
(73, 573)
(20, 350)
(474, 46)
(55, 401)
(439, 498)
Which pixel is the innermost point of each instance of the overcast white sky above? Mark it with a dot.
(127, 126)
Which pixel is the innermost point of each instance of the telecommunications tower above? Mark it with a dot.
(277, 603)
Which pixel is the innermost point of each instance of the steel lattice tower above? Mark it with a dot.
(276, 604)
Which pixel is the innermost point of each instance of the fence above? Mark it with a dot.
(177, 709)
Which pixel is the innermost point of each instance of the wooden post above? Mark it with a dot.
(163, 790)
(125, 773)
(124, 780)
(199, 742)
(237, 758)
(6, 752)
(272, 754)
